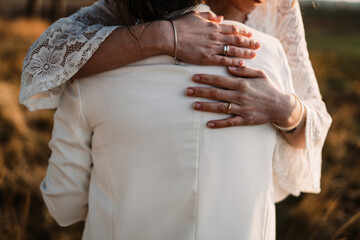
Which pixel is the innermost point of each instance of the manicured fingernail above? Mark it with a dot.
(211, 124)
(196, 78)
(252, 54)
(257, 44)
(196, 105)
(189, 91)
(231, 68)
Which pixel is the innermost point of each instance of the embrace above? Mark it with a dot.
(173, 123)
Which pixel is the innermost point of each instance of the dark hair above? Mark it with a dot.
(151, 10)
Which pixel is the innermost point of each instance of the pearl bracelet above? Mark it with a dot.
(292, 128)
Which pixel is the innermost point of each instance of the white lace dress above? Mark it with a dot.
(67, 45)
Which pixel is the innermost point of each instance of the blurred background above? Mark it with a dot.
(333, 35)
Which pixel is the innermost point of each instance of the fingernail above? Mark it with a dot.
(231, 68)
(253, 54)
(196, 105)
(189, 91)
(196, 78)
(211, 124)
(257, 44)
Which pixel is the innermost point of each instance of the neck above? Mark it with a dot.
(226, 9)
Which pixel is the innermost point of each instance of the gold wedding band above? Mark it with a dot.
(229, 108)
(226, 50)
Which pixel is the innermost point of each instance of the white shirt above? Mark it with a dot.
(132, 158)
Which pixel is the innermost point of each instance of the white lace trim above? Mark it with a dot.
(66, 46)
(58, 55)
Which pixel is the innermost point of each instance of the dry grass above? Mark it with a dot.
(334, 214)
(24, 137)
(24, 28)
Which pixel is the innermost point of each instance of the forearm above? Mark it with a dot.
(297, 137)
(128, 45)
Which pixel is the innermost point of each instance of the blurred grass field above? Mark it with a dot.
(334, 44)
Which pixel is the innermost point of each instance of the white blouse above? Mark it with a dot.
(132, 158)
(66, 46)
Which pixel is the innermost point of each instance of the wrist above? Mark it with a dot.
(289, 110)
(161, 38)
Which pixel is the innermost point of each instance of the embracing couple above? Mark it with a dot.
(137, 158)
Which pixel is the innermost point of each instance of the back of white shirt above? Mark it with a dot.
(128, 144)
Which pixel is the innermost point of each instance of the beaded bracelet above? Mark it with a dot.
(177, 62)
(292, 128)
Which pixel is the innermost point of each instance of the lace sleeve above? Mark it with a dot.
(299, 170)
(61, 51)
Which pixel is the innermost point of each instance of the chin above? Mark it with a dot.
(249, 9)
(252, 5)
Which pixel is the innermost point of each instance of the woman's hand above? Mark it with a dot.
(201, 39)
(253, 96)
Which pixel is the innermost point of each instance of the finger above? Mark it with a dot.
(241, 41)
(219, 81)
(210, 16)
(234, 30)
(247, 72)
(211, 93)
(238, 52)
(227, 122)
(217, 107)
(225, 61)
